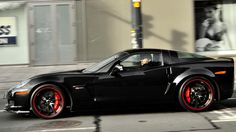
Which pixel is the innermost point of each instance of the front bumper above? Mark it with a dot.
(15, 109)
(17, 103)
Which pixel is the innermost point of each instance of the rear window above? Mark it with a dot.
(179, 57)
(185, 55)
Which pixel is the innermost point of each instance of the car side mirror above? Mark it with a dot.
(115, 71)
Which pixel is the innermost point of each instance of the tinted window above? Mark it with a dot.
(185, 55)
(179, 57)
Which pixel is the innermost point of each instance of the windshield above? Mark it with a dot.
(103, 63)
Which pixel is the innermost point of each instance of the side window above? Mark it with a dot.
(141, 60)
(157, 59)
(131, 61)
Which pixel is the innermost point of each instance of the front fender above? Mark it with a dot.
(35, 83)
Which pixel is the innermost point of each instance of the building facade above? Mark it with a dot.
(54, 32)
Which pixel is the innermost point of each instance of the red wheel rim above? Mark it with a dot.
(197, 94)
(48, 102)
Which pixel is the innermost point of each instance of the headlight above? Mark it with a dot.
(21, 84)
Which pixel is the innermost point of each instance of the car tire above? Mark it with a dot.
(196, 94)
(47, 101)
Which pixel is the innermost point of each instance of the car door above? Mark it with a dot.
(136, 83)
(146, 84)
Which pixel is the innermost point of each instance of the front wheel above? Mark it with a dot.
(47, 101)
(196, 94)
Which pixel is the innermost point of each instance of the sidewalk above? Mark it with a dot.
(10, 75)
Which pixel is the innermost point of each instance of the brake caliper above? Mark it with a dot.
(57, 101)
(187, 95)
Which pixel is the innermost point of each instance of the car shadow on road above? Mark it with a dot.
(229, 103)
(123, 110)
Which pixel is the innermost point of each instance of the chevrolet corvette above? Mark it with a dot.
(135, 77)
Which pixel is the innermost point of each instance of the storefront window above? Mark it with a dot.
(215, 25)
(13, 33)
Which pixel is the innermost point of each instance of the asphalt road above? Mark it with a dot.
(165, 118)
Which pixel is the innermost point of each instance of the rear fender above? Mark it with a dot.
(192, 72)
(177, 81)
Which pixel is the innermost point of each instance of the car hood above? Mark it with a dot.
(68, 72)
(73, 72)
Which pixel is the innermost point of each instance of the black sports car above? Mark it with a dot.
(132, 77)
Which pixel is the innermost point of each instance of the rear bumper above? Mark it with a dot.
(226, 94)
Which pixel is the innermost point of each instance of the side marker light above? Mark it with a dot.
(220, 72)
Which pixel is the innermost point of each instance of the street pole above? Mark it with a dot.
(136, 31)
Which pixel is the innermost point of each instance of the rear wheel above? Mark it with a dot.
(47, 101)
(196, 94)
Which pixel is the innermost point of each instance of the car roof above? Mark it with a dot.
(153, 50)
(130, 51)
(141, 50)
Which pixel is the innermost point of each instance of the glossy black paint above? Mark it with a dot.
(150, 85)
